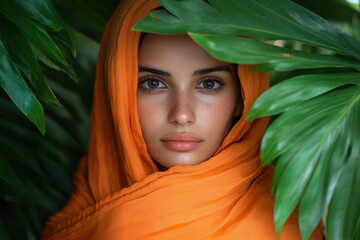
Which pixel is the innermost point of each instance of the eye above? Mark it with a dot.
(211, 84)
(151, 83)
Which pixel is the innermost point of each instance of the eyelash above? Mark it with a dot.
(146, 79)
(215, 80)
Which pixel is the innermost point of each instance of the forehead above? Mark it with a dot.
(174, 50)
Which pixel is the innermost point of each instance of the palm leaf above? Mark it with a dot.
(251, 51)
(262, 19)
(298, 89)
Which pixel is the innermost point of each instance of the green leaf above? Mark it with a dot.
(63, 41)
(66, 69)
(292, 183)
(298, 89)
(302, 134)
(84, 14)
(35, 219)
(43, 11)
(310, 120)
(61, 178)
(344, 210)
(8, 175)
(19, 152)
(13, 84)
(262, 19)
(13, 41)
(250, 51)
(38, 36)
(185, 10)
(160, 21)
(324, 180)
(288, 20)
(21, 214)
(64, 37)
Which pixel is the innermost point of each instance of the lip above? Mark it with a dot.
(181, 142)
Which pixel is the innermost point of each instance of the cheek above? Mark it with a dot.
(151, 115)
(218, 116)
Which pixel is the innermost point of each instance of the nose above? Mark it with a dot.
(181, 109)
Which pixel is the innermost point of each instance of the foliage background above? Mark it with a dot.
(36, 170)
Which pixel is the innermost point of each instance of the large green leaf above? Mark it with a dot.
(303, 134)
(13, 41)
(262, 19)
(333, 11)
(344, 210)
(323, 182)
(295, 90)
(285, 133)
(43, 11)
(250, 51)
(15, 86)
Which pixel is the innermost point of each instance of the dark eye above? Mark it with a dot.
(151, 83)
(209, 84)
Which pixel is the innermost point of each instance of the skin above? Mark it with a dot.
(183, 91)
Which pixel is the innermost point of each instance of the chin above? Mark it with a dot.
(182, 161)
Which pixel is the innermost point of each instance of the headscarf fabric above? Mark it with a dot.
(118, 191)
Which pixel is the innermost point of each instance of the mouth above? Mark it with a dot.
(181, 142)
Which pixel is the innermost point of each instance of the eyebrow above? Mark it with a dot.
(212, 69)
(154, 71)
(196, 73)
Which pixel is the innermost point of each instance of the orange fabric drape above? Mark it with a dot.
(119, 194)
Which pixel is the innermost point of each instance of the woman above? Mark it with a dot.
(166, 159)
(187, 100)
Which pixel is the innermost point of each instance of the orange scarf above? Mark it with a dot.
(119, 194)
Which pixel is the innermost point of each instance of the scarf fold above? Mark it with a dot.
(118, 191)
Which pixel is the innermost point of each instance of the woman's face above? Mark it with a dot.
(186, 99)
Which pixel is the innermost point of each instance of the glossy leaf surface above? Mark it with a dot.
(344, 209)
(14, 85)
(43, 11)
(37, 35)
(250, 51)
(262, 19)
(295, 90)
(319, 121)
(14, 40)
